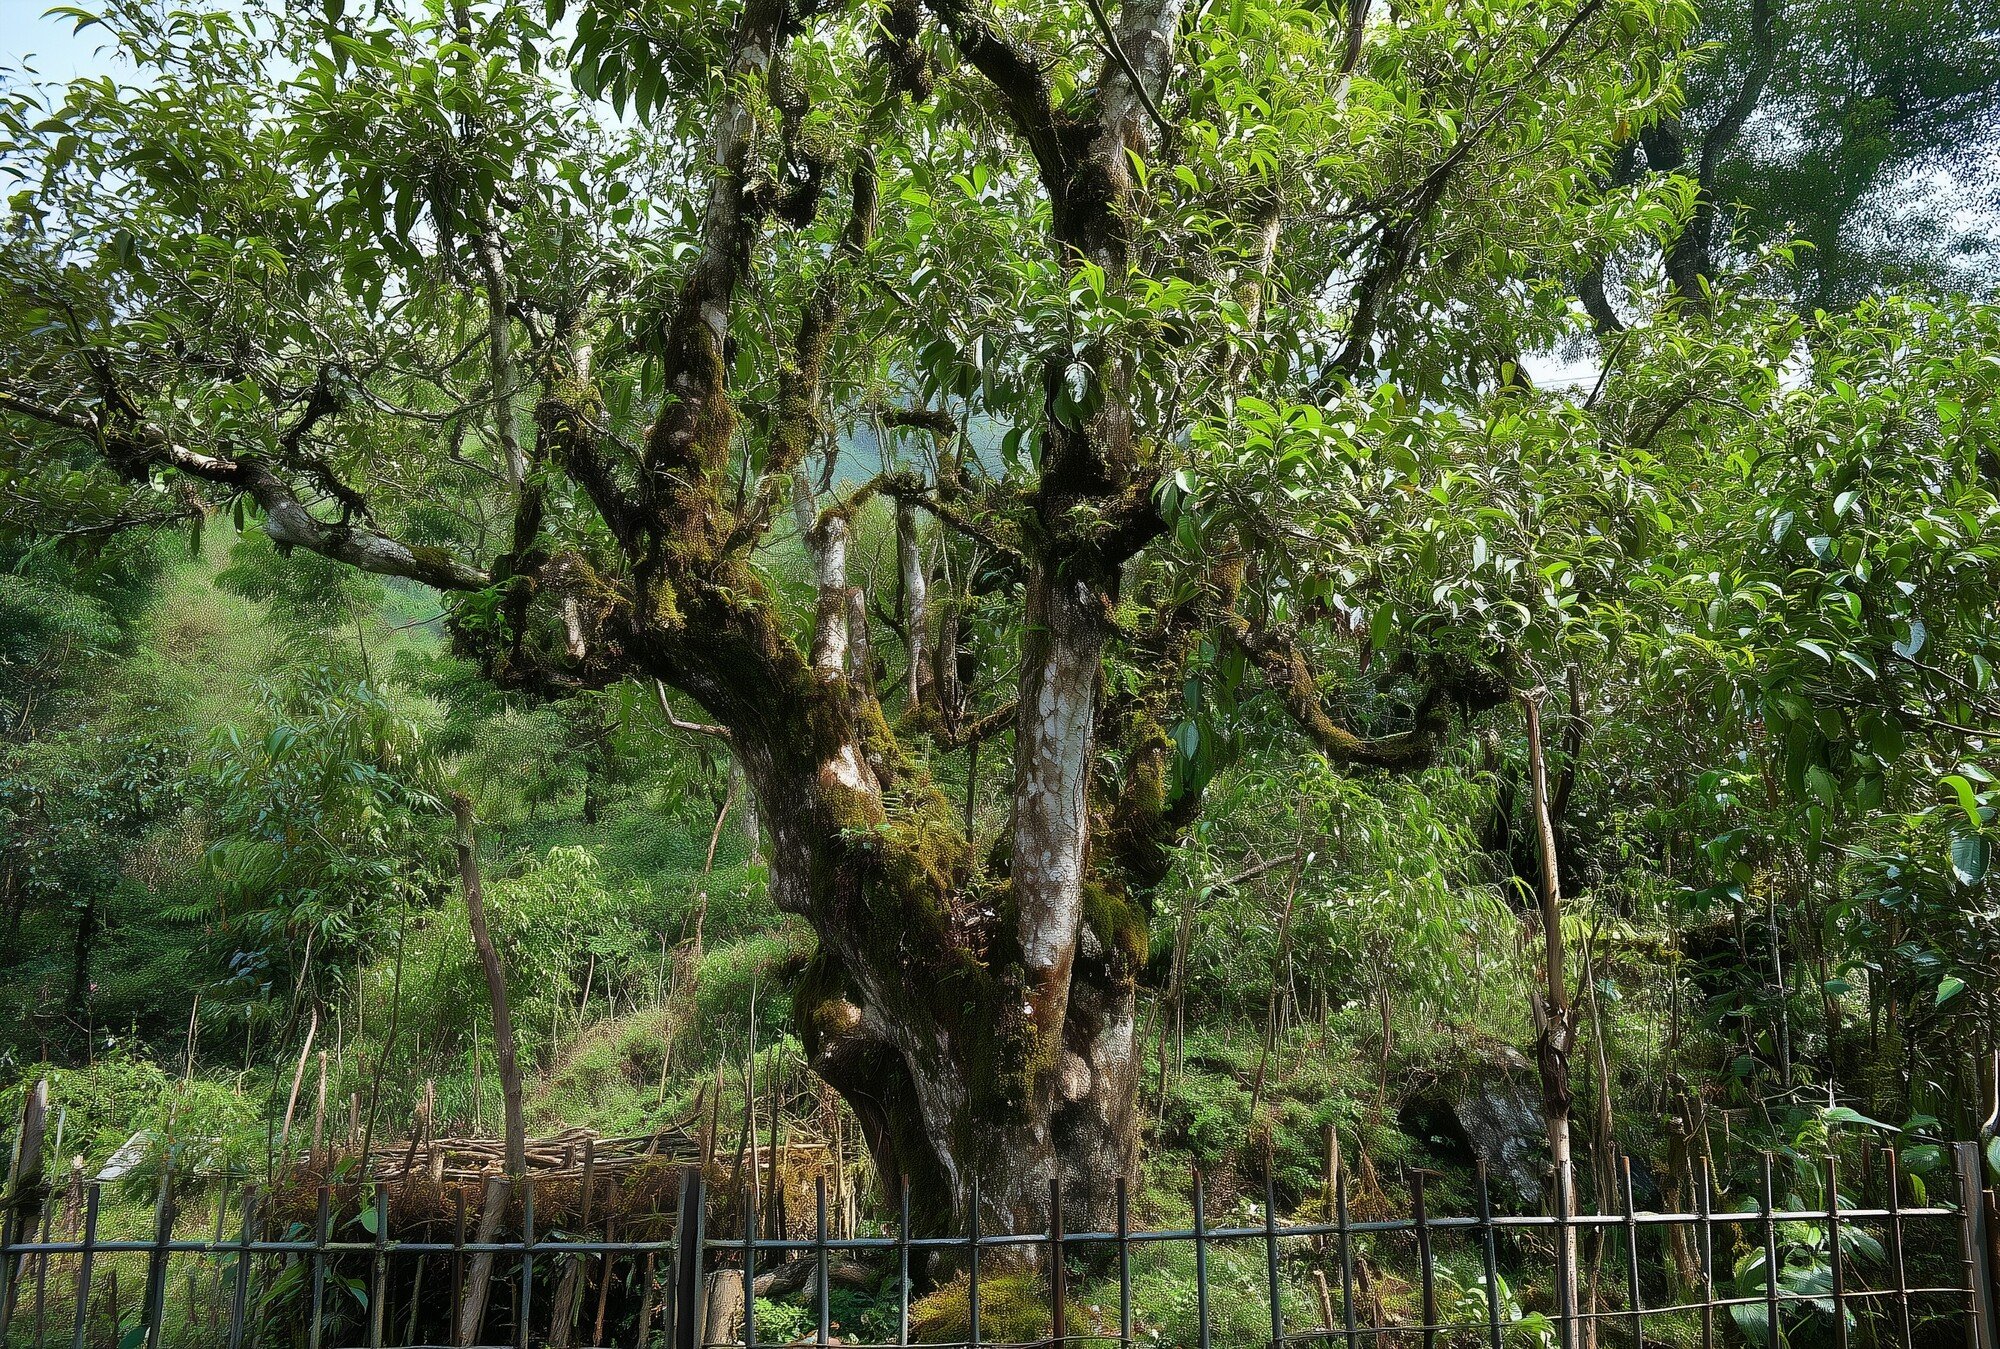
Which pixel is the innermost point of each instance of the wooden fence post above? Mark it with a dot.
(166, 1207)
(689, 1298)
(1982, 1329)
(22, 1205)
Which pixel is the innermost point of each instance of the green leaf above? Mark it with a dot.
(1948, 988)
(1968, 800)
(1750, 1319)
(1968, 858)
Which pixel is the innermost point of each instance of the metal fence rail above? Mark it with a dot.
(260, 1276)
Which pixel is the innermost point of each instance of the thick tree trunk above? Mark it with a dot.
(929, 1015)
(928, 1005)
(979, 1021)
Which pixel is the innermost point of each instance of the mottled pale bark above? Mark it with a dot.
(1060, 655)
(830, 623)
(916, 597)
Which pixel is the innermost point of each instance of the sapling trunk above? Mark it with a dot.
(1555, 1019)
(1278, 963)
(515, 1134)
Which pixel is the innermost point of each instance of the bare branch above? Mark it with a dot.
(697, 727)
(979, 728)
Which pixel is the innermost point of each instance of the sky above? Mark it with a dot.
(57, 53)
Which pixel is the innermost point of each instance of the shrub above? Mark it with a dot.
(99, 1106)
(1013, 1308)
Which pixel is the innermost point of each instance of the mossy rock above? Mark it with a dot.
(1013, 1309)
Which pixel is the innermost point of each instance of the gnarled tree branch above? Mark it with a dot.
(1285, 668)
(134, 449)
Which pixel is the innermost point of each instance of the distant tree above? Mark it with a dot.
(72, 804)
(1828, 122)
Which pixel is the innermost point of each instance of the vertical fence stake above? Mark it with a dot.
(822, 1318)
(254, 1331)
(903, 1262)
(42, 1264)
(527, 1259)
(457, 1266)
(322, 1233)
(1566, 1310)
(239, 1299)
(1638, 1311)
(1489, 1256)
(1271, 1287)
(1981, 1331)
(1346, 1255)
(378, 1267)
(607, 1266)
(750, 1231)
(1705, 1243)
(1124, 1266)
(220, 1299)
(90, 1198)
(1768, 1200)
(1058, 1272)
(24, 1197)
(1200, 1263)
(687, 1262)
(1894, 1162)
(972, 1268)
(153, 1310)
(1426, 1268)
(1836, 1258)
(642, 1327)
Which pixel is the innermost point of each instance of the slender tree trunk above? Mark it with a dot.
(1555, 1019)
(508, 1063)
(498, 1188)
(479, 1273)
(86, 941)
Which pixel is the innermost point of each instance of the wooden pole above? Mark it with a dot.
(298, 1079)
(1278, 962)
(25, 1193)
